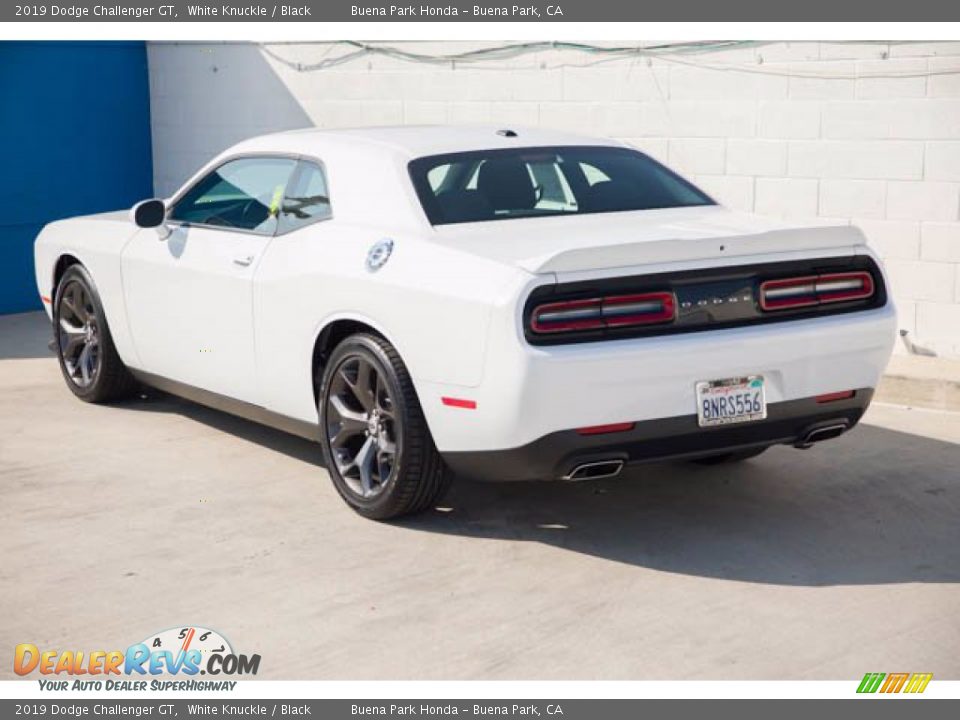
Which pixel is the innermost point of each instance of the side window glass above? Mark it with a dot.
(245, 194)
(307, 199)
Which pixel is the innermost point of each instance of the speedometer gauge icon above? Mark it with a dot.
(184, 639)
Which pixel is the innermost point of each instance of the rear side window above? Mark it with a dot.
(244, 194)
(307, 199)
(537, 182)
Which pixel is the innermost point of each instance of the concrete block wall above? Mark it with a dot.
(854, 133)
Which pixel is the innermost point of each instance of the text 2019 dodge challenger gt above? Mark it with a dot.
(503, 305)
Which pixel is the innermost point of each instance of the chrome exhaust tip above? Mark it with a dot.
(824, 432)
(594, 470)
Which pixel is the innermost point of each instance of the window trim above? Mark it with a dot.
(253, 155)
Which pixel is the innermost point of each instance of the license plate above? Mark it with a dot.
(733, 400)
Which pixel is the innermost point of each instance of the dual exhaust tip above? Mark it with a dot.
(611, 468)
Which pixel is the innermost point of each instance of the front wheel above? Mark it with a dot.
(376, 444)
(88, 359)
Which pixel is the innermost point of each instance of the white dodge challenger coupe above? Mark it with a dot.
(495, 304)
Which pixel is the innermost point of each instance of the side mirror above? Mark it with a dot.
(151, 214)
(148, 213)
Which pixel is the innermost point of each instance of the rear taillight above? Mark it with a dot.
(815, 290)
(845, 286)
(613, 311)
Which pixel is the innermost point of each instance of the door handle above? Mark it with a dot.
(243, 260)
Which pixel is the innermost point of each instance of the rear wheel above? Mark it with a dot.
(729, 457)
(378, 449)
(88, 359)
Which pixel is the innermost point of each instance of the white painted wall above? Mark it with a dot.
(763, 128)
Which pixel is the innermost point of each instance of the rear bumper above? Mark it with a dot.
(529, 393)
(555, 455)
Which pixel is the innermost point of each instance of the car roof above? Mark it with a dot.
(421, 140)
(370, 164)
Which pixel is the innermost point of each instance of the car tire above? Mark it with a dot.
(376, 444)
(729, 457)
(88, 359)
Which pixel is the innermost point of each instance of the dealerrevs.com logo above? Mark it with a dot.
(156, 663)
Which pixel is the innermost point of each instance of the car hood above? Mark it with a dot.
(561, 244)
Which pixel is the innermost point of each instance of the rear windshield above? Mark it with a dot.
(537, 182)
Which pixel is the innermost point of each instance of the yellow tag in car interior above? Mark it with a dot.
(277, 196)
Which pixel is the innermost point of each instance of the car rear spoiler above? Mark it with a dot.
(620, 255)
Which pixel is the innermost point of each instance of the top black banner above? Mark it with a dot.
(482, 11)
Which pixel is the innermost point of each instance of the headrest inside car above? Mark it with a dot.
(464, 206)
(506, 184)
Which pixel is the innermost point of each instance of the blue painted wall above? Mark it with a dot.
(74, 139)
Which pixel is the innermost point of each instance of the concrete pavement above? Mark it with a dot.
(921, 381)
(117, 522)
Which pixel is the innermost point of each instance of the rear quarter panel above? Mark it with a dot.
(431, 302)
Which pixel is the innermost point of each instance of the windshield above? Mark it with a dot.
(537, 182)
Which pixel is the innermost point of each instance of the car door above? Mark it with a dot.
(306, 267)
(189, 295)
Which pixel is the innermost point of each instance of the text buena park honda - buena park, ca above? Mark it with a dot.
(454, 11)
(412, 710)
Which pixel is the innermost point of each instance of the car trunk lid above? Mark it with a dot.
(612, 241)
